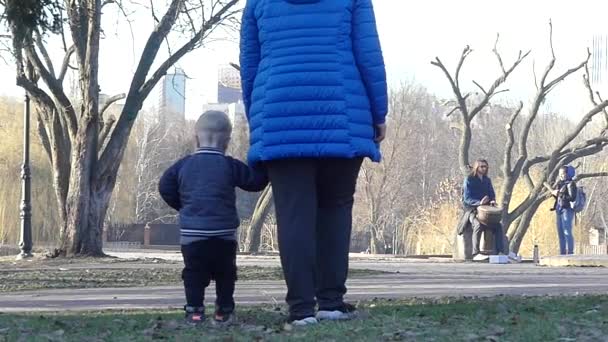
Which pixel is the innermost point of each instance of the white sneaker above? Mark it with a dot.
(304, 321)
(480, 257)
(514, 257)
(335, 315)
(346, 312)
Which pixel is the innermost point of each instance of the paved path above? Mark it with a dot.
(410, 279)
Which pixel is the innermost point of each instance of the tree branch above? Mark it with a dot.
(568, 72)
(591, 175)
(189, 46)
(44, 137)
(45, 54)
(78, 27)
(465, 53)
(66, 63)
(495, 50)
(497, 83)
(538, 160)
(452, 111)
(539, 98)
(592, 95)
(55, 88)
(551, 62)
(584, 145)
(455, 89)
(528, 179)
(507, 168)
(109, 102)
(149, 53)
(567, 158)
(605, 113)
(106, 129)
(584, 121)
(480, 87)
(34, 91)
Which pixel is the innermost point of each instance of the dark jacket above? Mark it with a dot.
(201, 187)
(566, 194)
(474, 189)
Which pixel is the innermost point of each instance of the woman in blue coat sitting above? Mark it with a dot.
(315, 94)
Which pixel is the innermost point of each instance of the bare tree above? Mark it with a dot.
(259, 217)
(517, 165)
(160, 141)
(406, 179)
(84, 146)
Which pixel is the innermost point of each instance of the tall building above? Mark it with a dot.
(229, 85)
(229, 96)
(229, 76)
(598, 67)
(172, 95)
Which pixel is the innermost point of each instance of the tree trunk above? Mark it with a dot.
(262, 209)
(82, 235)
(377, 242)
(465, 145)
(517, 237)
(505, 201)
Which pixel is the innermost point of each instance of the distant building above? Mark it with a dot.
(229, 76)
(598, 66)
(172, 95)
(229, 85)
(227, 94)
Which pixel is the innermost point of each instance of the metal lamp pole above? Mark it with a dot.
(25, 242)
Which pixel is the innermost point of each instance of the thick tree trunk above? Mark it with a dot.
(82, 209)
(262, 209)
(84, 227)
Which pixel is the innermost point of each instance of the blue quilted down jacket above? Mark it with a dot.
(313, 78)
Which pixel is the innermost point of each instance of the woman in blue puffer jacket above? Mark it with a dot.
(315, 94)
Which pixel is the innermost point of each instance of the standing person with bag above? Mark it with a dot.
(315, 94)
(565, 193)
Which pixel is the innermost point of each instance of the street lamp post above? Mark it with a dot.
(25, 243)
(26, 196)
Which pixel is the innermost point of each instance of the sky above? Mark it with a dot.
(412, 34)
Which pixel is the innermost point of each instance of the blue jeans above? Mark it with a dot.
(565, 218)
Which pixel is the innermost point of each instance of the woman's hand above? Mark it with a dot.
(380, 131)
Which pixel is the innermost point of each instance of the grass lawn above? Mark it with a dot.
(64, 273)
(582, 318)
